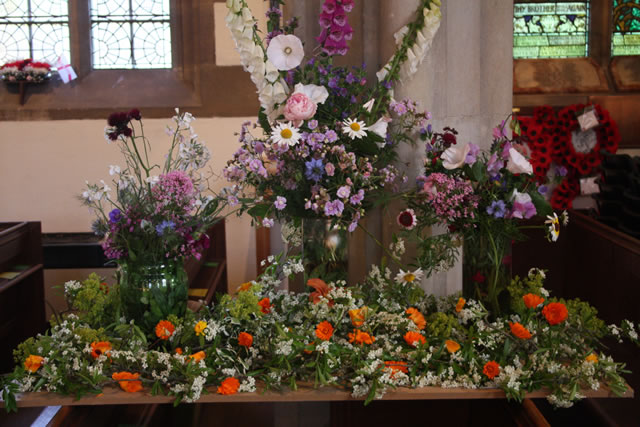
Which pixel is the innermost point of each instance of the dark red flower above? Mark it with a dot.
(134, 114)
(478, 277)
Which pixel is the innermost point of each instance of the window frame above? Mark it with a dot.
(194, 82)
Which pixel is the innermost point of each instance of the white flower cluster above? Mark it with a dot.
(272, 89)
(71, 287)
(424, 38)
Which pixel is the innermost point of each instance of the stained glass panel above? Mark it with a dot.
(625, 39)
(550, 29)
(37, 29)
(131, 34)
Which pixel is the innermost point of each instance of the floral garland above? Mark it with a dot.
(382, 334)
(25, 70)
(550, 138)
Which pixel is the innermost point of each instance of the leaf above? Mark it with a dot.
(264, 121)
(543, 207)
(365, 146)
(259, 211)
(477, 172)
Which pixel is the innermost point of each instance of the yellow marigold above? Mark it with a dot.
(593, 358)
(414, 338)
(33, 363)
(127, 381)
(520, 331)
(200, 327)
(358, 316)
(460, 304)
(491, 369)
(196, 357)
(164, 329)
(99, 348)
(452, 346)
(417, 318)
(360, 337)
(532, 300)
(324, 331)
(229, 386)
(245, 339)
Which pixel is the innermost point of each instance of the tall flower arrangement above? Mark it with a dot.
(327, 139)
(481, 197)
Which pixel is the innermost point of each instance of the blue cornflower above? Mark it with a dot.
(497, 209)
(160, 228)
(315, 169)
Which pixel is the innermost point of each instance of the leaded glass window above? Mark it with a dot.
(626, 28)
(131, 34)
(550, 29)
(37, 29)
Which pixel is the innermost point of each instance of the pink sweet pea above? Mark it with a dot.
(299, 107)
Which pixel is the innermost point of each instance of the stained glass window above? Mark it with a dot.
(37, 29)
(131, 34)
(550, 29)
(626, 28)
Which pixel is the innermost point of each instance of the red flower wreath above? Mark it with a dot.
(537, 132)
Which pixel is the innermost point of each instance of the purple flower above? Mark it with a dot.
(344, 191)
(334, 208)
(267, 222)
(356, 199)
(494, 165)
(543, 189)
(315, 169)
(232, 200)
(471, 155)
(497, 209)
(561, 171)
(160, 228)
(399, 108)
(354, 223)
(330, 169)
(312, 124)
(500, 131)
(523, 210)
(350, 78)
(331, 135)
(333, 82)
(280, 203)
(115, 216)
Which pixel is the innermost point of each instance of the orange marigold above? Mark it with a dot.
(396, 366)
(532, 300)
(245, 287)
(452, 346)
(229, 386)
(358, 316)
(265, 305)
(321, 290)
(555, 312)
(593, 358)
(200, 327)
(360, 337)
(245, 339)
(417, 317)
(127, 381)
(324, 331)
(99, 348)
(178, 350)
(520, 331)
(460, 304)
(414, 338)
(164, 329)
(491, 369)
(198, 356)
(33, 363)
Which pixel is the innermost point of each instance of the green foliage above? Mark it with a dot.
(96, 301)
(532, 284)
(441, 325)
(245, 305)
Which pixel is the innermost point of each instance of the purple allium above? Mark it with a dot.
(315, 169)
(280, 203)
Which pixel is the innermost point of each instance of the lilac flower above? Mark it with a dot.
(357, 198)
(232, 200)
(315, 169)
(561, 171)
(494, 165)
(334, 208)
(333, 82)
(350, 78)
(387, 84)
(343, 192)
(115, 216)
(315, 140)
(543, 189)
(354, 223)
(312, 124)
(280, 203)
(471, 155)
(500, 131)
(497, 209)
(399, 108)
(267, 222)
(160, 228)
(259, 147)
(331, 135)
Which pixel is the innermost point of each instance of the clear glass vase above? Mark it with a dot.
(325, 251)
(151, 292)
(486, 267)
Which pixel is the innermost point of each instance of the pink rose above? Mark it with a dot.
(299, 107)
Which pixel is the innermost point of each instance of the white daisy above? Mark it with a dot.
(354, 128)
(409, 276)
(285, 133)
(565, 218)
(554, 226)
(285, 52)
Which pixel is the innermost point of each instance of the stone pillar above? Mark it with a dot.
(465, 80)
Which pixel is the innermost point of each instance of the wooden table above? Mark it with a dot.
(115, 396)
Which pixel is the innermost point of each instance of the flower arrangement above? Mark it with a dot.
(326, 140)
(481, 197)
(369, 338)
(25, 70)
(157, 216)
